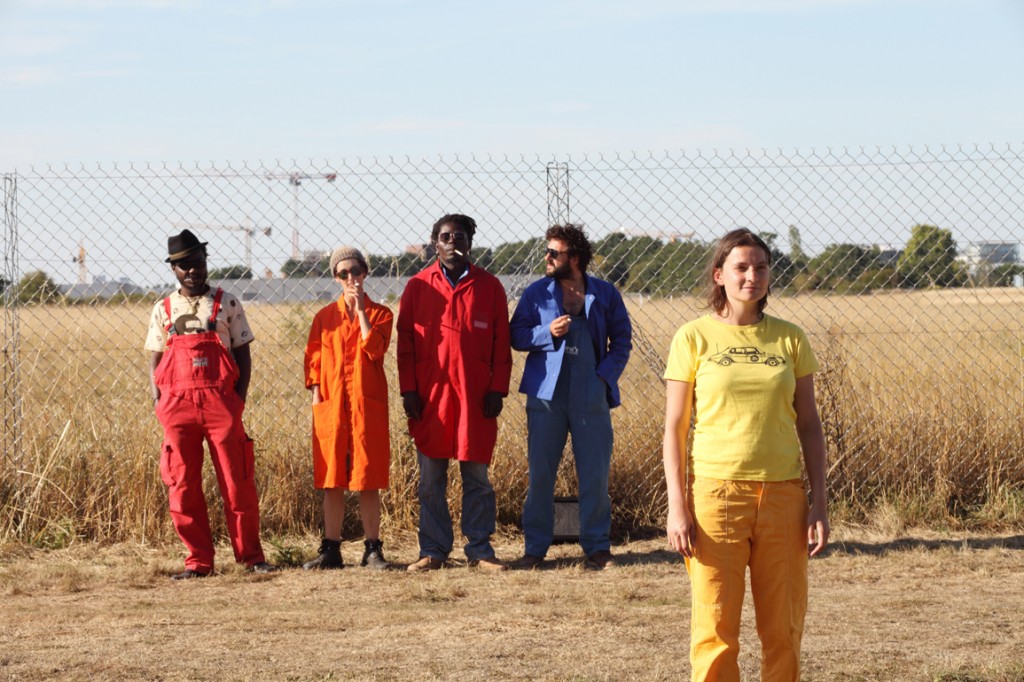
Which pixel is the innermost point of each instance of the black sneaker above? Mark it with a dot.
(373, 556)
(329, 557)
(263, 567)
(189, 574)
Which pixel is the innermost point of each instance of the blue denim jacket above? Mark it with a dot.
(607, 321)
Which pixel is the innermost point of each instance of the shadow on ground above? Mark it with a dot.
(903, 544)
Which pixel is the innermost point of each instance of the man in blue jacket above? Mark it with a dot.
(578, 335)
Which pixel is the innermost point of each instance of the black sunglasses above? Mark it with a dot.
(553, 254)
(452, 237)
(355, 272)
(187, 264)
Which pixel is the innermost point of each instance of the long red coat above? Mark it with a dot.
(351, 447)
(453, 347)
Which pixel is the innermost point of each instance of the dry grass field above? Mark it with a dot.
(924, 410)
(922, 396)
(917, 606)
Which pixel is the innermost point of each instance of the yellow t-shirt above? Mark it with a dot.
(744, 379)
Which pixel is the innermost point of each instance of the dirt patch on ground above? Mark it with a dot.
(919, 608)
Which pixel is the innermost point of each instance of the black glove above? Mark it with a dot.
(493, 402)
(413, 405)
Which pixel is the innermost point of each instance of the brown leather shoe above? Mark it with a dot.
(489, 564)
(601, 560)
(426, 563)
(527, 562)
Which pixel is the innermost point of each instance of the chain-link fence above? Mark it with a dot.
(902, 265)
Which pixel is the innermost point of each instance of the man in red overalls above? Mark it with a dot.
(199, 375)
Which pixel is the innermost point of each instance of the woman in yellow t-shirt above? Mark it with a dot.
(737, 498)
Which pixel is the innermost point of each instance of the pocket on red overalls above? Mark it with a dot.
(163, 405)
(248, 457)
(170, 464)
(211, 363)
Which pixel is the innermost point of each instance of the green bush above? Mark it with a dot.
(37, 287)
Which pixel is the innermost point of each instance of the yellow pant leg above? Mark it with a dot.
(778, 578)
(725, 514)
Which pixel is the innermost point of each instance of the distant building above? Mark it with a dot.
(102, 288)
(424, 251)
(980, 256)
(295, 289)
(283, 290)
(309, 289)
(888, 256)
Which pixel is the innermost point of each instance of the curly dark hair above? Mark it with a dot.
(462, 222)
(575, 238)
(715, 294)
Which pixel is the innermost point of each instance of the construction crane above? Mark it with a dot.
(247, 228)
(83, 271)
(295, 180)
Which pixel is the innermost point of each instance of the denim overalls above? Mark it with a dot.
(579, 406)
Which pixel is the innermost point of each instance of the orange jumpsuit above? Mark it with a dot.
(351, 441)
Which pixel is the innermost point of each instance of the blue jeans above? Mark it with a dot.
(479, 509)
(549, 422)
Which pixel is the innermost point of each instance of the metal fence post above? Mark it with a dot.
(558, 193)
(10, 335)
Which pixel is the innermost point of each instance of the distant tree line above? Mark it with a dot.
(651, 266)
(509, 258)
(648, 265)
(37, 287)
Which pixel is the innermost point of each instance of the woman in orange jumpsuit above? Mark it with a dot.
(344, 367)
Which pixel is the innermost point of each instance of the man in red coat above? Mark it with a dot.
(454, 366)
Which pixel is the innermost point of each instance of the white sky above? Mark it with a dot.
(197, 80)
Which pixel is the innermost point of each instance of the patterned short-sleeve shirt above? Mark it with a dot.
(190, 316)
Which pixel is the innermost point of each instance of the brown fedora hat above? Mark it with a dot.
(182, 246)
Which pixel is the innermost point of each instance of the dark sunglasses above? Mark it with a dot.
(355, 272)
(189, 264)
(452, 237)
(553, 254)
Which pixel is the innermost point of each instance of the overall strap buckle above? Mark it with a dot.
(211, 325)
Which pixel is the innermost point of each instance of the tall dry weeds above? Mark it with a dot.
(911, 424)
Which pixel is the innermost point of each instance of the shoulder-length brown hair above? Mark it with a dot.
(715, 298)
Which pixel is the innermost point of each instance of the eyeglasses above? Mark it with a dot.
(355, 272)
(553, 254)
(446, 237)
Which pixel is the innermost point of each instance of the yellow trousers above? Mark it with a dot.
(739, 524)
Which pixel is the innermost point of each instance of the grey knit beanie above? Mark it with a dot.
(344, 252)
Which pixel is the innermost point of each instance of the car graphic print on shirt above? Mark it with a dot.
(747, 355)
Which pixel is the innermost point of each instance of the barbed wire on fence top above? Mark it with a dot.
(903, 264)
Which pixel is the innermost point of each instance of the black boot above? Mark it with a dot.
(330, 556)
(373, 556)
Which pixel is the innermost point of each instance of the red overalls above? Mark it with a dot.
(196, 377)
